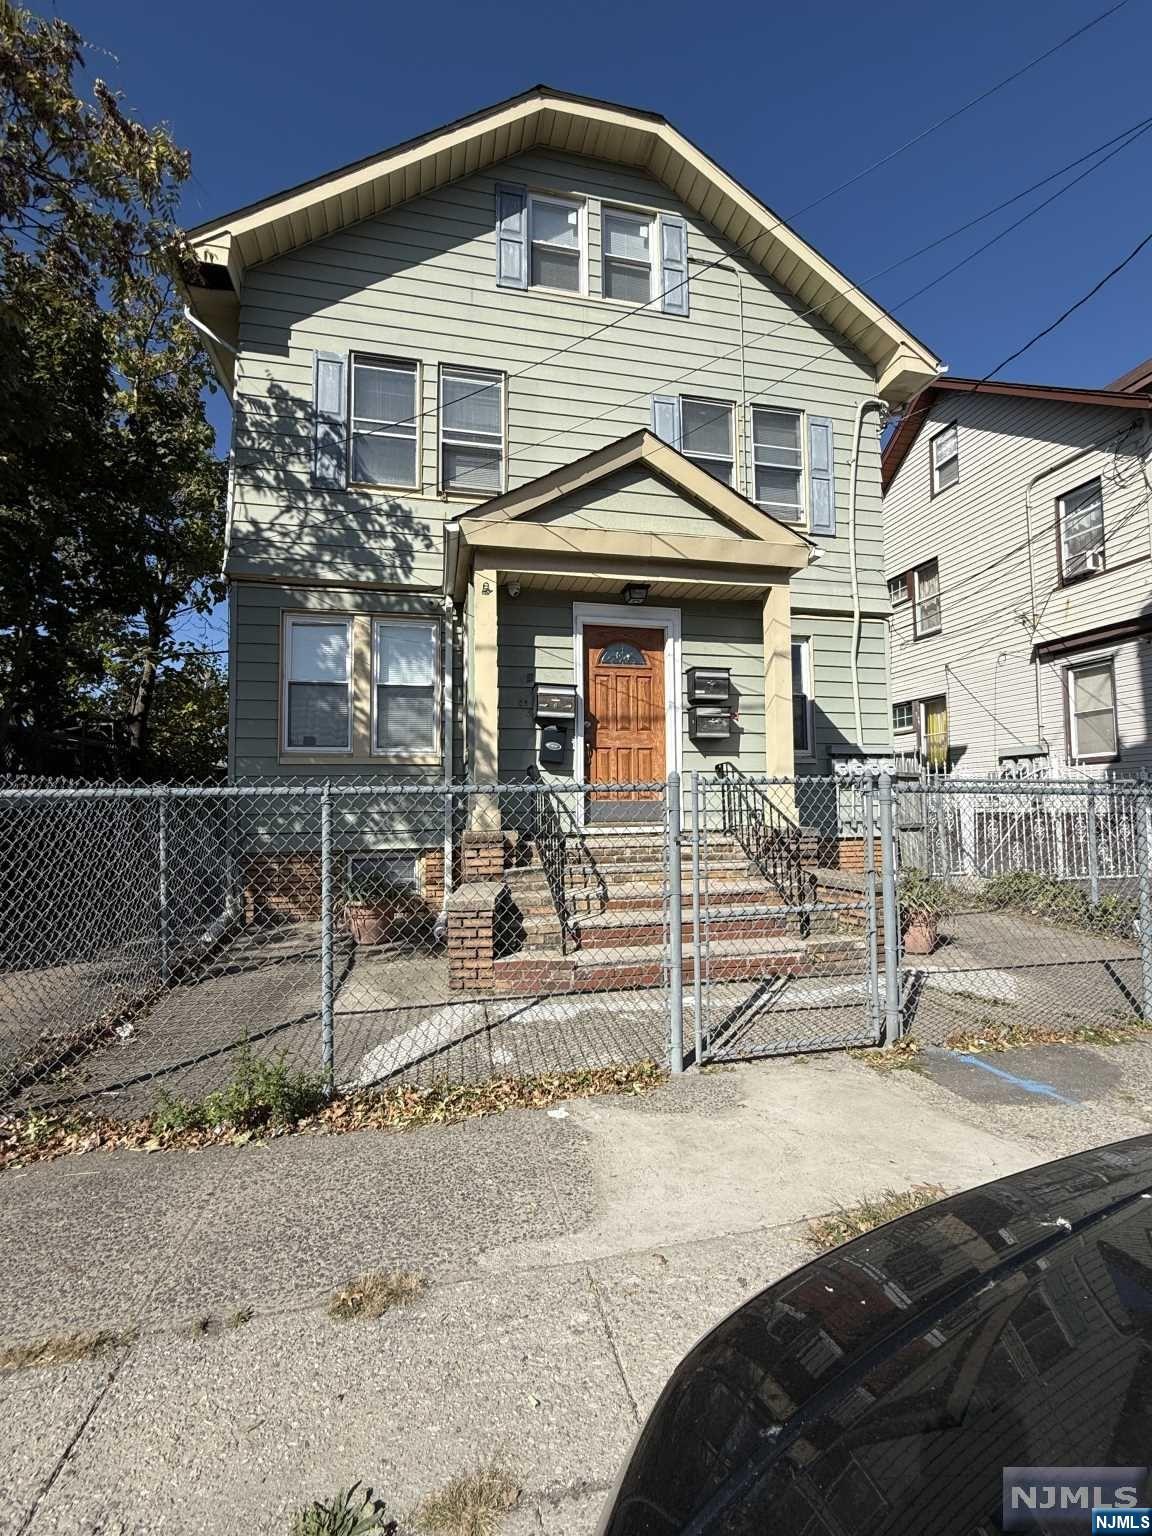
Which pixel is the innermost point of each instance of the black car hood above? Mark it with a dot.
(885, 1386)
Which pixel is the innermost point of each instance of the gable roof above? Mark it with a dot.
(899, 444)
(665, 462)
(1137, 380)
(546, 118)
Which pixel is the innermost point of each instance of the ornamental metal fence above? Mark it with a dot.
(153, 938)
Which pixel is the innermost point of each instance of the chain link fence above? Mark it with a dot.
(368, 932)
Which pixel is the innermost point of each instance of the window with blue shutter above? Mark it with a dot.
(511, 237)
(329, 420)
(673, 264)
(666, 419)
(821, 476)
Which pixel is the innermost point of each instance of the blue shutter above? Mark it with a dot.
(666, 418)
(329, 420)
(821, 476)
(511, 237)
(673, 264)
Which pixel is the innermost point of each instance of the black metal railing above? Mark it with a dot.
(768, 835)
(563, 853)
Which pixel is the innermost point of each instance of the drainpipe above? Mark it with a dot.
(857, 622)
(211, 335)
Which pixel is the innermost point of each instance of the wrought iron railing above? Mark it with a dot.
(771, 840)
(562, 851)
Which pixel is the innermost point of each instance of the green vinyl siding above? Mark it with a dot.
(419, 283)
(635, 501)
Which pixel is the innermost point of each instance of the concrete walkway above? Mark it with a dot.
(572, 1257)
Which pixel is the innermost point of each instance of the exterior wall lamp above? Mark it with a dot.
(636, 592)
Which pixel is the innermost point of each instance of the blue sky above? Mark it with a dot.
(791, 100)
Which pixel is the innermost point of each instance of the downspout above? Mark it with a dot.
(211, 335)
(857, 620)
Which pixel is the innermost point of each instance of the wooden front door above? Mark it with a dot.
(624, 715)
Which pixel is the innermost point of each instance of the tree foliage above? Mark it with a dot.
(111, 496)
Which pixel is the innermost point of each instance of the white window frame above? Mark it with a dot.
(773, 508)
(641, 216)
(290, 620)
(900, 584)
(560, 200)
(407, 754)
(1067, 577)
(805, 644)
(917, 632)
(458, 438)
(911, 706)
(1070, 669)
(388, 365)
(715, 458)
(935, 463)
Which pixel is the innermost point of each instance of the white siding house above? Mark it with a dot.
(1018, 555)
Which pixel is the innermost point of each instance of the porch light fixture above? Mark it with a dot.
(636, 592)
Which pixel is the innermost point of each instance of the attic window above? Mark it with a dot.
(944, 452)
(554, 237)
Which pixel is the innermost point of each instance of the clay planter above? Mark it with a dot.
(921, 933)
(367, 922)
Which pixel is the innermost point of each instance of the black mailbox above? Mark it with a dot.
(555, 701)
(708, 685)
(709, 722)
(553, 745)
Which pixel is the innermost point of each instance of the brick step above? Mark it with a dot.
(620, 930)
(606, 969)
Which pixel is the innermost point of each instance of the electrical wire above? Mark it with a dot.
(782, 222)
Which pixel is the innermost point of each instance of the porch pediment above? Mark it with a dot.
(635, 500)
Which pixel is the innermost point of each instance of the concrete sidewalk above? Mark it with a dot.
(572, 1257)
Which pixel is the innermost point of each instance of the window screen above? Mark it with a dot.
(471, 431)
(706, 436)
(383, 423)
(405, 686)
(317, 674)
(1093, 710)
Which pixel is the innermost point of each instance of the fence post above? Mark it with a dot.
(165, 916)
(893, 1016)
(675, 928)
(327, 1041)
(697, 968)
(1144, 874)
(1093, 853)
(869, 818)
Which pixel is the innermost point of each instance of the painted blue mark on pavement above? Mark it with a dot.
(1026, 1084)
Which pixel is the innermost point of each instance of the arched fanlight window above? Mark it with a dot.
(622, 653)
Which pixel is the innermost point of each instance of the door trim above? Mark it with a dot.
(636, 616)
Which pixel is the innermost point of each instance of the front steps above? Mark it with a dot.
(617, 927)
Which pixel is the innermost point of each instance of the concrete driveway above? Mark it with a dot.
(572, 1257)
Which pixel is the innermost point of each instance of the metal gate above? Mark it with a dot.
(785, 927)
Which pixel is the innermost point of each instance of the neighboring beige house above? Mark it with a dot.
(1018, 552)
(546, 398)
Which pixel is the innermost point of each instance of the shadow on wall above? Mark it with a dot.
(288, 528)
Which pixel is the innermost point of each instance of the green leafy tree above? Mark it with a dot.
(111, 497)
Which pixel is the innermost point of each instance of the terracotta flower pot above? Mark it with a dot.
(921, 933)
(366, 923)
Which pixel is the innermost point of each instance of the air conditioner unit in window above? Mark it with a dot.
(1094, 560)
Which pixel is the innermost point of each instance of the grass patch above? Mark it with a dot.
(373, 1294)
(472, 1504)
(353, 1511)
(850, 1221)
(40, 1136)
(904, 1056)
(988, 1036)
(62, 1349)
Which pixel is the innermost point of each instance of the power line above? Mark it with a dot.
(781, 222)
(1128, 137)
(1072, 308)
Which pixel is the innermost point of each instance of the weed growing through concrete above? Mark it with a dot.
(63, 1349)
(239, 1317)
(260, 1092)
(847, 1222)
(352, 1512)
(472, 1504)
(187, 1124)
(371, 1295)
